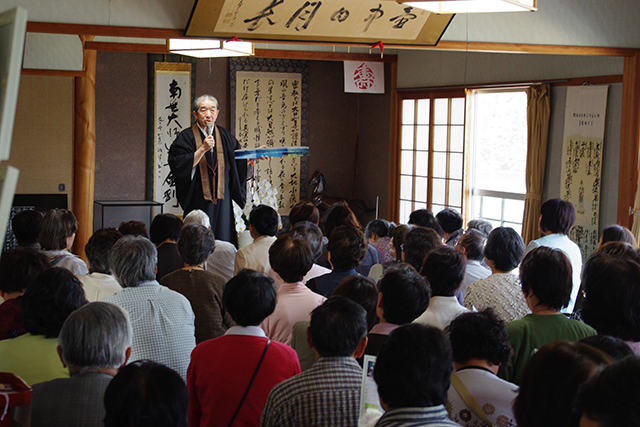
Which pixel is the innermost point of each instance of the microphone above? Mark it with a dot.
(209, 129)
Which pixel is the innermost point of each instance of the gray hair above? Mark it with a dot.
(481, 225)
(133, 260)
(196, 103)
(95, 336)
(197, 217)
(195, 244)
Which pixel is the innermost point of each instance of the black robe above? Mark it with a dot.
(189, 191)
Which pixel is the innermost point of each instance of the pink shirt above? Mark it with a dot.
(316, 270)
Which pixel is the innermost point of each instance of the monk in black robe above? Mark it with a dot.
(210, 151)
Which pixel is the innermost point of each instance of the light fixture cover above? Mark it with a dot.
(473, 6)
(209, 48)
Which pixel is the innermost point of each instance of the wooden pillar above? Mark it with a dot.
(393, 212)
(84, 161)
(629, 138)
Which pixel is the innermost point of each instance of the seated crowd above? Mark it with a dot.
(468, 327)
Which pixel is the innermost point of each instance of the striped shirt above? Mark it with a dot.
(328, 394)
(433, 416)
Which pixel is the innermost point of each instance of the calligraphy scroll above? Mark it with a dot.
(582, 161)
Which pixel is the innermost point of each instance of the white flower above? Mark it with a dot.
(240, 226)
(272, 192)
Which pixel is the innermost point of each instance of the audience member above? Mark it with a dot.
(610, 398)
(397, 238)
(304, 210)
(328, 394)
(443, 267)
(413, 372)
(133, 228)
(94, 343)
(57, 233)
(614, 347)
(424, 218)
(232, 359)
(146, 394)
(18, 270)
(556, 218)
(162, 320)
(99, 283)
(501, 291)
(550, 382)
(223, 257)
(471, 245)
(378, 234)
(46, 304)
(451, 222)
(481, 225)
(290, 259)
(347, 247)
(263, 226)
(545, 275)
(617, 233)
(417, 242)
(202, 288)
(164, 232)
(26, 228)
(480, 345)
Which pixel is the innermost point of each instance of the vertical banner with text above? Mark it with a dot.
(582, 161)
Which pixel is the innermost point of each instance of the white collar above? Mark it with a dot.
(252, 331)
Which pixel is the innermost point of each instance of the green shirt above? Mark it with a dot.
(33, 358)
(528, 334)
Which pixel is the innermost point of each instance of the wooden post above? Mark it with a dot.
(84, 162)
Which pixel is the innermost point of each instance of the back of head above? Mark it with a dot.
(146, 394)
(337, 327)
(98, 247)
(450, 220)
(165, 227)
(47, 303)
(26, 227)
(195, 244)
(481, 225)
(56, 227)
(618, 233)
(479, 335)
(347, 247)
(623, 249)
(291, 258)
(413, 368)
(550, 381)
(19, 268)
(338, 215)
(424, 218)
(611, 397)
(311, 233)
(398, 234)
(557, 216)
(362, 290)
(264, 220)
(444, 269)
(612, 287)
(405, 294)
(417, 243)
(96, 336)
(473, 243)
(379, 227)
(547, 273)
(197, 217)
(614, 347)
(505, 248)
(133, 228)
(249, 297)
(133, 260)
(304, 210)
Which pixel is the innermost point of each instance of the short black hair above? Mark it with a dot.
(379, 227)
(547, 273)
(98, 247)
(56, 227)
(19, 269)
(291, 258)
(133, 228)
(405, 294)
(362, 290)
(505, 248)
(618, 233)
(249, 297)
(310, 232)
(614, 347)
(26, 227)
(337, 215)
(52, 297)
(347, 247)
(444, 269)
(417, 242)
(479, 335)
(557, 216)
(473, 242)
(612, 303)
(195, 244)
(146, 393)
(304, 210)
(163, 227)
(413, 368)
(450, 220)
(264, 220)
(424, 218)
(337, 327)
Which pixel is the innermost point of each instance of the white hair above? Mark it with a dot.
(197, 217)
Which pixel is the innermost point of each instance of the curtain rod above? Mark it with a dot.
(478, 86)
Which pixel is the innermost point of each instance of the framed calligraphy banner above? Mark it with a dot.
(336, 21)
(171, 84)
(582, 161)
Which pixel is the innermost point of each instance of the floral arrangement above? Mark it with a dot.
(261, 193)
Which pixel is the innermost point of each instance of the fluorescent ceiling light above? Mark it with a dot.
(208, 48)
(473, 6)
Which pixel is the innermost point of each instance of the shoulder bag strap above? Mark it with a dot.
(471, 402)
